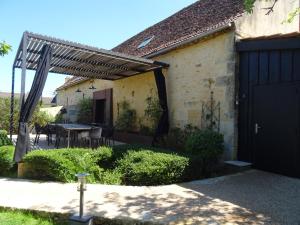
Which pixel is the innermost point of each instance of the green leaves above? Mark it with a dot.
(249, 5)
(292, 15)
(4, 48)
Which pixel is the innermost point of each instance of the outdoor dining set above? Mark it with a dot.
(75, 135)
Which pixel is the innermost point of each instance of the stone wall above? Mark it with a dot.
(187, 85)
(69, 96)
(191, 69)
(258, 24)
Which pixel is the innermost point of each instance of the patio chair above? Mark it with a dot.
(50, 131)
(83, 138)
(60, 135)
(39, 130)
(108, 135)
(95, 136)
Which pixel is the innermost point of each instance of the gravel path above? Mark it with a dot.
(252, 197)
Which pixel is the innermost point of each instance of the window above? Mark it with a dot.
(145, 42)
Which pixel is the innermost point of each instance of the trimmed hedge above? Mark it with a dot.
(125, 164)
(6, 159)
(151, 168)
(4, 140)
(61, 165)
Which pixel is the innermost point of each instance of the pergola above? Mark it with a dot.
(76, 59)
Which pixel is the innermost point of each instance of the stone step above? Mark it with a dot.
(238, 166)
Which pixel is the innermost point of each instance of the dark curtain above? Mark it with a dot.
(163, 124)
(28, 107)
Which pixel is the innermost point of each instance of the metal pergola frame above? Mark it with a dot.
(76, 59)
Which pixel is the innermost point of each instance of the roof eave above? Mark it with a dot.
(62, 87)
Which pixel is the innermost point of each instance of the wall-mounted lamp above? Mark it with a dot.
(92, 87)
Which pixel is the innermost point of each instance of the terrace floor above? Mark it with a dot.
(251, 197)
(43, 144)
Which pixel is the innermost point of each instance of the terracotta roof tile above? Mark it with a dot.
(200, 17)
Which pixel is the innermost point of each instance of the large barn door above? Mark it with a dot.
(269, 115)
(276, 128)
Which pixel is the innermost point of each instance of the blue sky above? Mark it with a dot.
(102, 24)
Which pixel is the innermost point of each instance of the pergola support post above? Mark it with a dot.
(163, 124)
(12, 104)
(23, 76)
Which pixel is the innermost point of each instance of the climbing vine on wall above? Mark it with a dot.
(210, 113)
(126, 117)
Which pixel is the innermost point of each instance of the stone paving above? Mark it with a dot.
(252, 197)
(43, 143)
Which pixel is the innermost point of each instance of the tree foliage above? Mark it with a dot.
(4, 48)
(249, 6)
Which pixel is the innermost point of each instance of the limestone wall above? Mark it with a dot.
(259, 24)
(187, 85)
(69, 96)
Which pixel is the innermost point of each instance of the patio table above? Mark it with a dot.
(74, 127)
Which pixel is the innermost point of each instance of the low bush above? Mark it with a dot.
(151, 168)
(124, 164)
(103, 157)
(4, 140)
(85, 111)
(205, 148)
(177, 137)
(207, 143)
(6, 159)
(111, 177)
(61, 165)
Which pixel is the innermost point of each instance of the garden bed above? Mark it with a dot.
(132, 138)
(125, 165)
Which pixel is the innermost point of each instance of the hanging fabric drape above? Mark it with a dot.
(28, 107)
(163, 124)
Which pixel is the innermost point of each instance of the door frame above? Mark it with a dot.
(107, 95)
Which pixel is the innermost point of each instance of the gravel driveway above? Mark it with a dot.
(253, 197)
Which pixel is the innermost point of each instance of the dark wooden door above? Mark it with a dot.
(268, 109)
(276, 128)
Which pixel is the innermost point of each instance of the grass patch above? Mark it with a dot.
(18, 217)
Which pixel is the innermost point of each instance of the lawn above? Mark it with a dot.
(16, 217)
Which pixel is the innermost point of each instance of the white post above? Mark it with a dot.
(23, 76)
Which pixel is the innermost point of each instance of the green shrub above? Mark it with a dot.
(111, 177)
(4, 140)
(5, 114)
(5, 104)
(177, 137)
(103, 157)
(151, 168)
(6, 159)
(126, 118)
(61, 165)
(85, 111)
(206, 143)
(42, 118)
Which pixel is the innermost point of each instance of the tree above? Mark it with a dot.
(4, 48)
(249, 5)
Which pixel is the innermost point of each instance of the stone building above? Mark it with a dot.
(199, 44)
